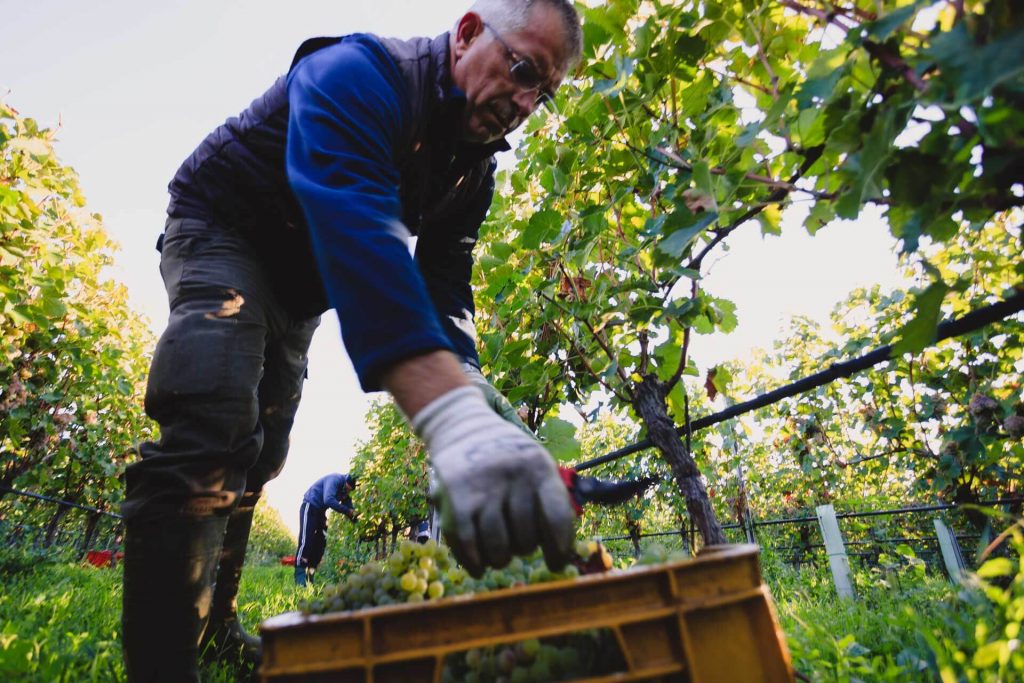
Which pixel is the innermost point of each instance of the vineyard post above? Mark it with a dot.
(435, 523)
(746, 519)
(91, 526)
(836, 550)
(951, 555)
(53, 526)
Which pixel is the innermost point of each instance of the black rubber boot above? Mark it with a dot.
(225, 639)
(169, 563)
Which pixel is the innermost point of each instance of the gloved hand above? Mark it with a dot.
(499, 491)
(495, 399)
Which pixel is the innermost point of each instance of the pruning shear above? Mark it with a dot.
(583, 490)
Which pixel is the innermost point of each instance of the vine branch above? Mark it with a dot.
(583, 358)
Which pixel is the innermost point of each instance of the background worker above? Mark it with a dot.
(329, 492)
(306, 201)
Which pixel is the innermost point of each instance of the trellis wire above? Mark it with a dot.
(951, 328)
(925, 544)
(54, 533)
(66, 503)
(840, 515)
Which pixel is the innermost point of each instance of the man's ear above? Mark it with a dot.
(469, 28)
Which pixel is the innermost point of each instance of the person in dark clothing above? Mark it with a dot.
(306, 201)
(329, 492)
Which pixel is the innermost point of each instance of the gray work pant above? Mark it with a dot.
(225, 380)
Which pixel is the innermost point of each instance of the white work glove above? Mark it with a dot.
(494, 398)
(499, 491)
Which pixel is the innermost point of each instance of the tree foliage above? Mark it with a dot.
(269, 539)
(935, 425)
(73, 355)
(392, 470)
(687, 121)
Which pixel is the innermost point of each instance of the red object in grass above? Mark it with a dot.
(288, 560)
(100, 558)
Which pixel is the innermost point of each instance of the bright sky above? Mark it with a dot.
(136, 86)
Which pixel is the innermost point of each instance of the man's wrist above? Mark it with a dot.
(417, 381)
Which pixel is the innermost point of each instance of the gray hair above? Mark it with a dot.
(513, 15)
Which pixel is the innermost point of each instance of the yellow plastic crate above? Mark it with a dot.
(705, 620)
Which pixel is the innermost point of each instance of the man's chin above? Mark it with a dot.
(479, 132)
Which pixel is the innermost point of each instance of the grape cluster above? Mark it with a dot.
(521, 571)
(657, 554)
(14, 396)
(592, 557)
(413, 573)
(562, 658)
(417, 572)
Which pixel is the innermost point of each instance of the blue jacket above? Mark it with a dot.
(329, 492)
(330, 172)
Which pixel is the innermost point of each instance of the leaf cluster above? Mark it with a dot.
(73, 354)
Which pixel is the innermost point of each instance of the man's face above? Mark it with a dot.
(482, 68)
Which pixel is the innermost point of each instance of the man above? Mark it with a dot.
(302, 203)
(329, 492)
(423, 532)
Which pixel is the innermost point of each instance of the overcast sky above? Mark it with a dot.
(136, 86)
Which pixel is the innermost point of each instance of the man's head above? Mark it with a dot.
(351, 482)
(508, 56)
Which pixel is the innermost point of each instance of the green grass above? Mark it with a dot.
(877, 637)
(61, 622)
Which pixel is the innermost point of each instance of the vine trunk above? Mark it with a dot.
(649, 403)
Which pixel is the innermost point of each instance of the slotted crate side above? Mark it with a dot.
(551, 607)
(663, 618)
(735, 640)
(387, 633)
(652, 643)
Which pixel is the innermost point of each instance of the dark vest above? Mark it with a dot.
(236, 177)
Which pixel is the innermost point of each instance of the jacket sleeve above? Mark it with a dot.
(331, 488)
(348, 116)
(444, 253)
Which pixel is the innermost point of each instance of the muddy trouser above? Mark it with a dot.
(225, 380)
(224, 385)
(312, 536)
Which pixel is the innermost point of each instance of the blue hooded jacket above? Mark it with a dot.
(329, 492)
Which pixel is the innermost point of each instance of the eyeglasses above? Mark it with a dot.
(524, 72)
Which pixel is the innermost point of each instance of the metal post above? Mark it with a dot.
(951, 555)
(435, 523)
(746, 520)
(836, 550)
